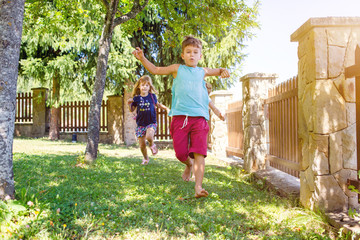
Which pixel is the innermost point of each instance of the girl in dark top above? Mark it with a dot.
(144, 101)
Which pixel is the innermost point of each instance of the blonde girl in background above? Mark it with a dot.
(144, 102)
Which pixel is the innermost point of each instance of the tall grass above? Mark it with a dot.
(58, 197)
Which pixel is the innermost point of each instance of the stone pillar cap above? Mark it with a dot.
(324, 22)
(221, 93)
(258, 75)
(40, 88)
(112, 96)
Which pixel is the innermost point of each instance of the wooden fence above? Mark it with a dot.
(284, 151)
(23, 107)
(235, 129)
(74, 116)
(163, 129)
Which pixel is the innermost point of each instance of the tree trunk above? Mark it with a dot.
(98, 92)
(11, 20)
(54, 132)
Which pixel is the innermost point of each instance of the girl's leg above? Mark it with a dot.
(150, 133)
(199, 169)
(143, 149)
(150, 136)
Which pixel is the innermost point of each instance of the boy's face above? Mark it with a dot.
(191, 55)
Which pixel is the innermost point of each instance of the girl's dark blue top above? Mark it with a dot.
(145, 109)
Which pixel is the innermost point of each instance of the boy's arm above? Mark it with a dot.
(223, 72)
(172, 69)
(216, 111)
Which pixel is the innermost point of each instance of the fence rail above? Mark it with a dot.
(74, 116)
(282, 109)
(235, 129)
(24, 103)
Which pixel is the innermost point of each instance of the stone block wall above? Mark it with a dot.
(39, 112)
(218, 128)
(255, 92)
(115, 119)
(129, 121)
(326, 111)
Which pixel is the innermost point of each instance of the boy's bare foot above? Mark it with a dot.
(187, 172)
(201, 193)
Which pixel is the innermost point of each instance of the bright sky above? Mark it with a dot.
(271, 50)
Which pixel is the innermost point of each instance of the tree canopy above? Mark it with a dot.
(61, 37)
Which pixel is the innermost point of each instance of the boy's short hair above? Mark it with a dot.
(190, 40)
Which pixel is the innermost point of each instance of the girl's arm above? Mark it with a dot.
(159, 105)
(172, 69)
(216, 111)
(223, 72)
(130, 106)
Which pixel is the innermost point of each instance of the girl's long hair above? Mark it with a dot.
(145, 78)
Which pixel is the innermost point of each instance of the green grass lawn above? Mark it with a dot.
(120, 199)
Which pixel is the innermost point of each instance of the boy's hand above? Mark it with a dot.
(221, 116)
(138, 53)
(224, 73)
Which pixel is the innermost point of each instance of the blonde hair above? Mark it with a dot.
(145, 78)
(190, 41)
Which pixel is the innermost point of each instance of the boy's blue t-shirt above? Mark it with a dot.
(145, 109)
(189, 93)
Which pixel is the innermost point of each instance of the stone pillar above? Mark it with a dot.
(218, 134)
(39, 112)
(115, 119)
(255, 92)
(326, 111)
(129, 121)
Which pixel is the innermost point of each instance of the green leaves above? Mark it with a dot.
(10, 209)
(222, 25)
(63, 37)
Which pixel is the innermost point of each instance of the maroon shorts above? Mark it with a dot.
(189, 136)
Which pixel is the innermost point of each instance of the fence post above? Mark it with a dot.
(40, 112)
(115, 119)
(218, 134)
(129, 122)
(255, 91)
(326, 111)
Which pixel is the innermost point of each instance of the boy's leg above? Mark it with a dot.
(199, 169)
(192, 177)
(198, 148)
(188, 168)
(180, 136)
